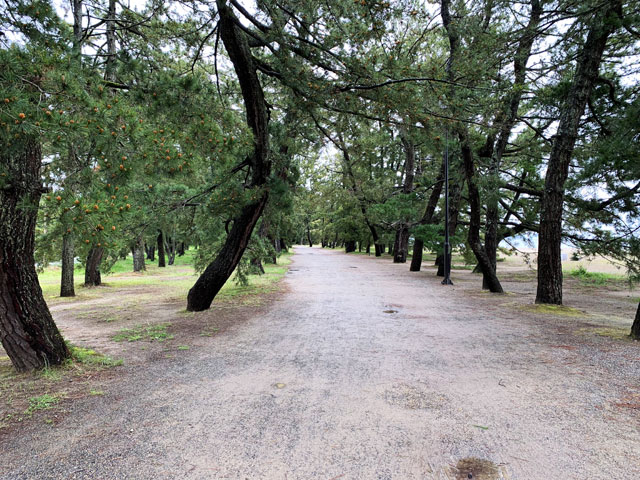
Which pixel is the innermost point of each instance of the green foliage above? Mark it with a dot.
(45, 401)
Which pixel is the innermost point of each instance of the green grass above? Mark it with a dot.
(595, 278)
(553, 310)
(45, 401)
(149, 333)
(87, 356)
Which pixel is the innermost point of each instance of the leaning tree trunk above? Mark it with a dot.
(161, 257)
(489, 273)
(550, 234)
(416, 258)
(92, 277)
(66, 281)
(635, 328)
(29, 335)
(508, 118)
(216, 274)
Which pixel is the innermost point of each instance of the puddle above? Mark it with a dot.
(472, 468)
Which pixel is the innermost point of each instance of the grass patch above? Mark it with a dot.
(183, 347)
(617, 333)
(42, 402)
(87, 356)
(148, 333)
(595, 278)
(549, 309)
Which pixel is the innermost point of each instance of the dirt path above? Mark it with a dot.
(361, 371)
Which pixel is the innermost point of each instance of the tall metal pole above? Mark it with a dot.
(447, 246)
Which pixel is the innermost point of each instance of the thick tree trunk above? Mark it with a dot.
(138, 255)
(216, 274)
(635, 328)
(92, 277)
(550, 234)
(401, 245)
(350, 246)
(28, 332)
(161, 256)
(67, 288)
(416, 258)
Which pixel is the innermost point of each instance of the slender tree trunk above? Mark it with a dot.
(92, 277)
(427, 218)
(151, 252)
(161, 255)
(216, 274)
(170, 248)
(489, 273)
(138, 255)
(181, 249)
(67, 288)
(635, 328)
(550, 234)
(508, 116)
(309, 237)
(27, 330)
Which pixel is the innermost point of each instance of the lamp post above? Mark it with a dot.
(447, 245)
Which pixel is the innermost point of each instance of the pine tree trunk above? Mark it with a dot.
(170, 248)
(138, 255)
(67, 288)
(161, 256)
(551, 208)
(92, 277)
(401, 245)
(151, 252)
(28, 332)
(416, 258)
(216, 274)
(635, 328)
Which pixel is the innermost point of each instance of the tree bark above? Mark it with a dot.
(550, 234)
(138, 255)
(350, 246)
(170, 248)
(416, 258)
(489, 273)
(216, 274)
(92, 277)
(635, 328)
(28, 332)
(401, 245)
(161, 256)
(67, 288)
(151, 252)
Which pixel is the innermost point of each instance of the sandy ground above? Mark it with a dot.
(363, 370)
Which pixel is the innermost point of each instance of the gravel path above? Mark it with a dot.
(361, 370)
